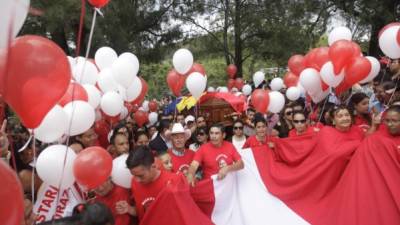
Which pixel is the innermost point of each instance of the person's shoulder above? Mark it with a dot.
(118, 190)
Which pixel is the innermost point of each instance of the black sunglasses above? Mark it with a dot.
(289, 113)
(299, 121)
(238, 128)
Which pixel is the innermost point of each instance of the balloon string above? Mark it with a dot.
(81, 20)
(33, 169)
(323, 108)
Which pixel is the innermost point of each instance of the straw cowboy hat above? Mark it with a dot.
(178, 129)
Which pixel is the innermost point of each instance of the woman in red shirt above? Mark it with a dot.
(359, 105)
(260, 138)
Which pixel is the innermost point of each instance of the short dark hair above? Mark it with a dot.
(164, 124)
(140, 133)
(259, 117)
(219, 126)
(114, 135)
(394, 108)
(140, 156)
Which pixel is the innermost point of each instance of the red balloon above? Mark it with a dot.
(356, 49)
(34, 77)
(102, 129)
(357, 70)
(74, 92)
(141, 117)
(230, 84)
(98, 3)
(231, 70)
(153, 106)
(139, 100)
(290, 79)
(316, 58)
(324, 86)
(110, 119)
(342, 88)
(260, 100)
(239, 83)
(340, 54)
(296, 64)
(12, 203)
(135, 108)
(92, 167)
(197, 67)
(175, 81)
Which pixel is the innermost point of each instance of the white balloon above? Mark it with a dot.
(106, 81)
(210, 89)
(246, 89)
(182, 60)
(80, 116)
(276, 101)
(85, 72)
(105, 57)
(122, 91)
(145, 106)
(111, 103)
(388, 42)
(196, 84)
(94, 95)
(133, 91)
(98, 115)
(124, 113)
(52, 168)
(153, 118)
(339, 33)
(123, 71)
(293, 93)
(258, 78)
(120, 174)
(375, 68)
(276, 84)
(133, 60)
(310, 80)
(223, 90)
(13, 14)
(52, 126)
(328, 75)
(320, 96)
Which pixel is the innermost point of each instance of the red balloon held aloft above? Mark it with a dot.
(110, 119)
(316, 58)
(98, 3)
(139, 100)
(34, 77)
(340, 54)
(196, 67)
(290, 80)
(231, 70)
(230, 84)
(102, 129)
(356, 70)
(356, 49)
(141, 118)
(153, 106)
(296, 64)
(175, 82)
(74, 92)
(239, 83)
(92, 167)
(260, 100)
(11, 204)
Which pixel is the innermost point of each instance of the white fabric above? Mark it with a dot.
(238, 143)
(242, 199)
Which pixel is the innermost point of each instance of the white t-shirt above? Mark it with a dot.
(238, 143)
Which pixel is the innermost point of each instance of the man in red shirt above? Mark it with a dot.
(148, 180)
(181, 157)
(116, 199)
(215, 157)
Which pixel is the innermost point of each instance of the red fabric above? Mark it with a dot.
(181, 164)
(334, 177)
(236, 102)
(252, 142)
(174, 205)
(212, 158)
(362, 123)
(203, 195)
(117, 194)
(145, 194)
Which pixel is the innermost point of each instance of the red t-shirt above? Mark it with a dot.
(361, 122)
(117, 194)
(181, 164)
(212, 158)
(253, 142)
(145, 194)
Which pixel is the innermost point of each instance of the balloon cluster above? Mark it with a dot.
(340, 66)
(186, 72)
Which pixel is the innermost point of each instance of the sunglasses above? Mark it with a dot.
(238, 128)
(299, 121)
(288, 113)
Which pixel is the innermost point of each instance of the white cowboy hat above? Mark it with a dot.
(178, 129)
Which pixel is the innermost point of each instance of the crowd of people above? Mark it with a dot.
(192, 147)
